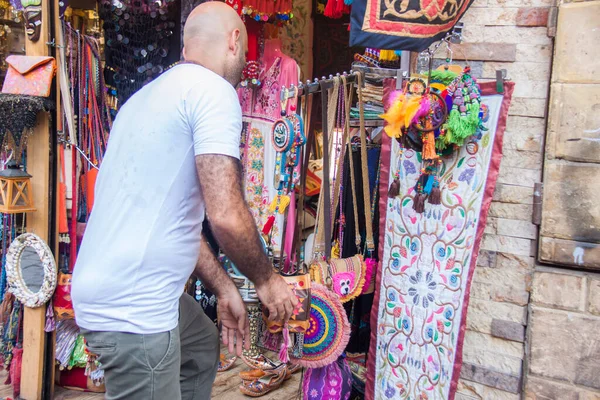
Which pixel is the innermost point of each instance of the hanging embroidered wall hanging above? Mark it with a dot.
(428, 260)
(403, 24)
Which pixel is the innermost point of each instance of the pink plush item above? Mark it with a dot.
(343, 282)
(371, 265)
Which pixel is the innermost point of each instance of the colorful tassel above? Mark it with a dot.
(284, 357)
(394, 190)
(429, 152)
(371, 264)
(50, 322)
(268, 225)
(279, 204)
(419, 203)
(436, 195)
(15, 371)
(428, 185)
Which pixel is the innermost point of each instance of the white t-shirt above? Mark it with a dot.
(142, 240)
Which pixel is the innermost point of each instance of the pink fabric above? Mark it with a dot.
(289, 232)
(265, 102)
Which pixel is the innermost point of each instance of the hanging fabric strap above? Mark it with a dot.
(348, 143)
(324, 224)
(370, 244)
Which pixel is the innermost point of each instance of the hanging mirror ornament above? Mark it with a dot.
(31, 270)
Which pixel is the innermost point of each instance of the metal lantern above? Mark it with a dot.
(15, 190)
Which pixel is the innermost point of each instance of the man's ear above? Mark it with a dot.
(183, 53)
(235, 41)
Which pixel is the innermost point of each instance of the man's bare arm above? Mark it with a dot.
(211, 273)
(235, 230)
(230, 220)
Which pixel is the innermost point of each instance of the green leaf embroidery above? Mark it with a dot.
(405, 202)
(419, 157)
(391, 358)
(462, 160)
(436, 336)
(462, 212)
(395, 255)
(391, 305)
(435, 378)
(459, 241)
(441, 350)
(456, 270)
(447, 323)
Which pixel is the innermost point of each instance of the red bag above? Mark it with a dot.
(63, 306)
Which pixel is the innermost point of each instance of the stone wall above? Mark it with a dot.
(564, 336)
(532, 332)
(510, 35)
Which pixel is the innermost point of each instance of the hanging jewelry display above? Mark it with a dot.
(139, 38)
(18, 116)
(288, 137)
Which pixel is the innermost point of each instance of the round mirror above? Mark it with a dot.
(30, 270)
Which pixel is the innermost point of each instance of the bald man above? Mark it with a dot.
(172, 157)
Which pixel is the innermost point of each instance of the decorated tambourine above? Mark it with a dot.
(328, 332)
(281, 135)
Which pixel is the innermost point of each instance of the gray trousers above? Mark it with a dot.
(179, 364)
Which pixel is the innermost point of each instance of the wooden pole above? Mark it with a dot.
(38, 165)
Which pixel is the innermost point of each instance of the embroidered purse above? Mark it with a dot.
(29, 75)
(346, 277)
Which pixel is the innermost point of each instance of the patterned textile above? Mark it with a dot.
(329, 329)
(260, 108)
(403, 24)
(428, 260)
(296, 38)
(259, 174)
(264, 101)
(331, 382)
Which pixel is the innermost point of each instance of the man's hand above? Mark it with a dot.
(235, 329)
(276, 295)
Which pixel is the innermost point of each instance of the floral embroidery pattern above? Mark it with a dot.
(256, 193)
(264, 101)
(425, 271)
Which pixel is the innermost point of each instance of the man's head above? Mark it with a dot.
(215, 37)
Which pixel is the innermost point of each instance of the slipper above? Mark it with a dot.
(270, 381)
(226, 364)
(254, 374)
(261, 362)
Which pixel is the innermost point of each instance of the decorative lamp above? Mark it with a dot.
(15, 190)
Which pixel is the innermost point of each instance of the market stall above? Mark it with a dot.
(370, 187)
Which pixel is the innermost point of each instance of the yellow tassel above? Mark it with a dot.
(282, 201)
(388, 55)
(335, 250)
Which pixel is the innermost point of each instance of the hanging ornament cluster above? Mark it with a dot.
(288, 138)
(433, 117)
(251, 74)
(278, 11)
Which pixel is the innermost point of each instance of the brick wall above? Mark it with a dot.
(511, 35)
(528, 326)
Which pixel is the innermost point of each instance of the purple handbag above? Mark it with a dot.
(331, 382)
